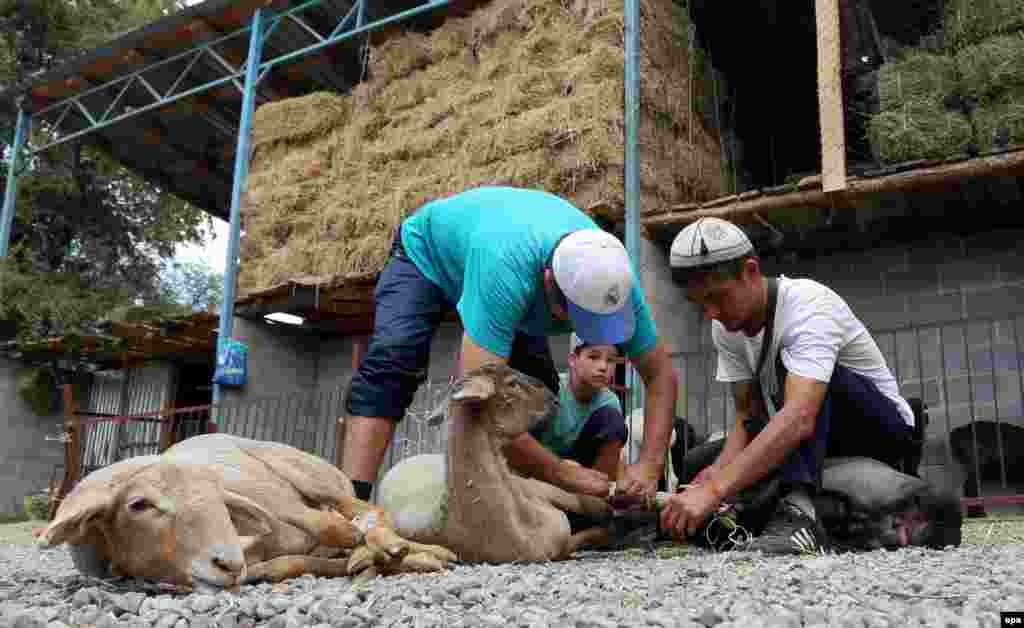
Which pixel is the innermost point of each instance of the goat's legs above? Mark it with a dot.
(283, 567)
(382, 536)
(569, 502)
(591, 537)
(328, 527)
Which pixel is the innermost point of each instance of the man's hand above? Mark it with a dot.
(685, 512)
(640, 479)
(577, 479)
(707, 473)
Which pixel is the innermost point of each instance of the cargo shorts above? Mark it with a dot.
(409, 309)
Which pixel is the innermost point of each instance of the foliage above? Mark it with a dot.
(38, 506)
(37, 387)
(192, 284)
(88, 235)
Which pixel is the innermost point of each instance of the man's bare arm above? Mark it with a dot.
(661, 383)
(794, 423)
(743, 396)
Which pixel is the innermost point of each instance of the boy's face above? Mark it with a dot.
(593, 366)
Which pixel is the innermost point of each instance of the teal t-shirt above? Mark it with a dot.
(561, 433)
(486, 248)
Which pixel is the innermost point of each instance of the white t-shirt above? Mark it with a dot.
(815, 329)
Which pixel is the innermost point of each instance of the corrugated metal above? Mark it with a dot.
(306, 420)
(126, 392)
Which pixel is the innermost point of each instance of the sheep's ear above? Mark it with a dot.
(82, 509)
(476, 388)
(250, 518)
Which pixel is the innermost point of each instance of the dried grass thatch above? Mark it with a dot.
(969, 22)
(919, 131)
(992, 67)
(918, 77)
(1000, 124)
(521, 92)
(913, 121)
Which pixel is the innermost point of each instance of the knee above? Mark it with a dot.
(386, 380)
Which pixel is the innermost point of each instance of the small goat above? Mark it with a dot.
(219, 510)
(468, 500)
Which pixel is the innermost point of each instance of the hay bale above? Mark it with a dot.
(520, 92)
(298, 120)
(1000, 124)
(918, 78)
(992, 67)
(920, 131)
(398, 57)
(969, 22)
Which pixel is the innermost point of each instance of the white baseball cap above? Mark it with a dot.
(593, 271)
(708, 241)
(575, 343)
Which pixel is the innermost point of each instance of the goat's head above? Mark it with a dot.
(512, 401)
(168, 521)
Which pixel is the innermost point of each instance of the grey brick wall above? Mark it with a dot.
(27, 459)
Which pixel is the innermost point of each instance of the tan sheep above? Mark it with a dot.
(469, 500)
(219, 510)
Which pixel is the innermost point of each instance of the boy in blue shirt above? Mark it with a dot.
(589, 428)
(518, 265)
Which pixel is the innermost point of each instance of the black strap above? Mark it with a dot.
(769, 324)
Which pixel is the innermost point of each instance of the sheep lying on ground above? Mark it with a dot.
(469, 500)
(220, 510)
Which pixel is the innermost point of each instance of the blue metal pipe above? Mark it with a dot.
(227, 307)
(232, 76)
(11, 192)
(632, 161)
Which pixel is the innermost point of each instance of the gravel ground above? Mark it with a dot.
(671, 586)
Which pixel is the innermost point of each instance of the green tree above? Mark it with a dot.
(193, 284)
(88, 236)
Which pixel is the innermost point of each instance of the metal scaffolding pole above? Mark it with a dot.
(11, 191)
(632, 164)
(227, 307)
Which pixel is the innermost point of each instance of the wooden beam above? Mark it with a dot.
(830, 96)
(947, 174)
(166, 429)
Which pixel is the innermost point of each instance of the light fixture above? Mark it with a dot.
(282, 317)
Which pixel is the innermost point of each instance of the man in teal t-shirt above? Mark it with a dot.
(589, 428)
(518, 265)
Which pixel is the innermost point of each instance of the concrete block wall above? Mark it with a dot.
(27, 459)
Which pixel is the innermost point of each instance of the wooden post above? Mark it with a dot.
(72, 449)
(359, 347)
(830, 97)
(166, 429)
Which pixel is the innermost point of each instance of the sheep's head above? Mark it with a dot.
(512, 401)
(172, 522)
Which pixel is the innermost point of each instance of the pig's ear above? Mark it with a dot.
(250, 518)
(475, 388)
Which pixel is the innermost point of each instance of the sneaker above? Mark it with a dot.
(791, 531)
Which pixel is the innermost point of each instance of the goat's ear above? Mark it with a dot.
(476, 388)
(78, 513)
(250, 518)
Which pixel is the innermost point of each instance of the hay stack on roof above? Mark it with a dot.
(521, 92)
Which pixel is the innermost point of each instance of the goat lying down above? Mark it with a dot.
(219, 510)
(468, 499)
